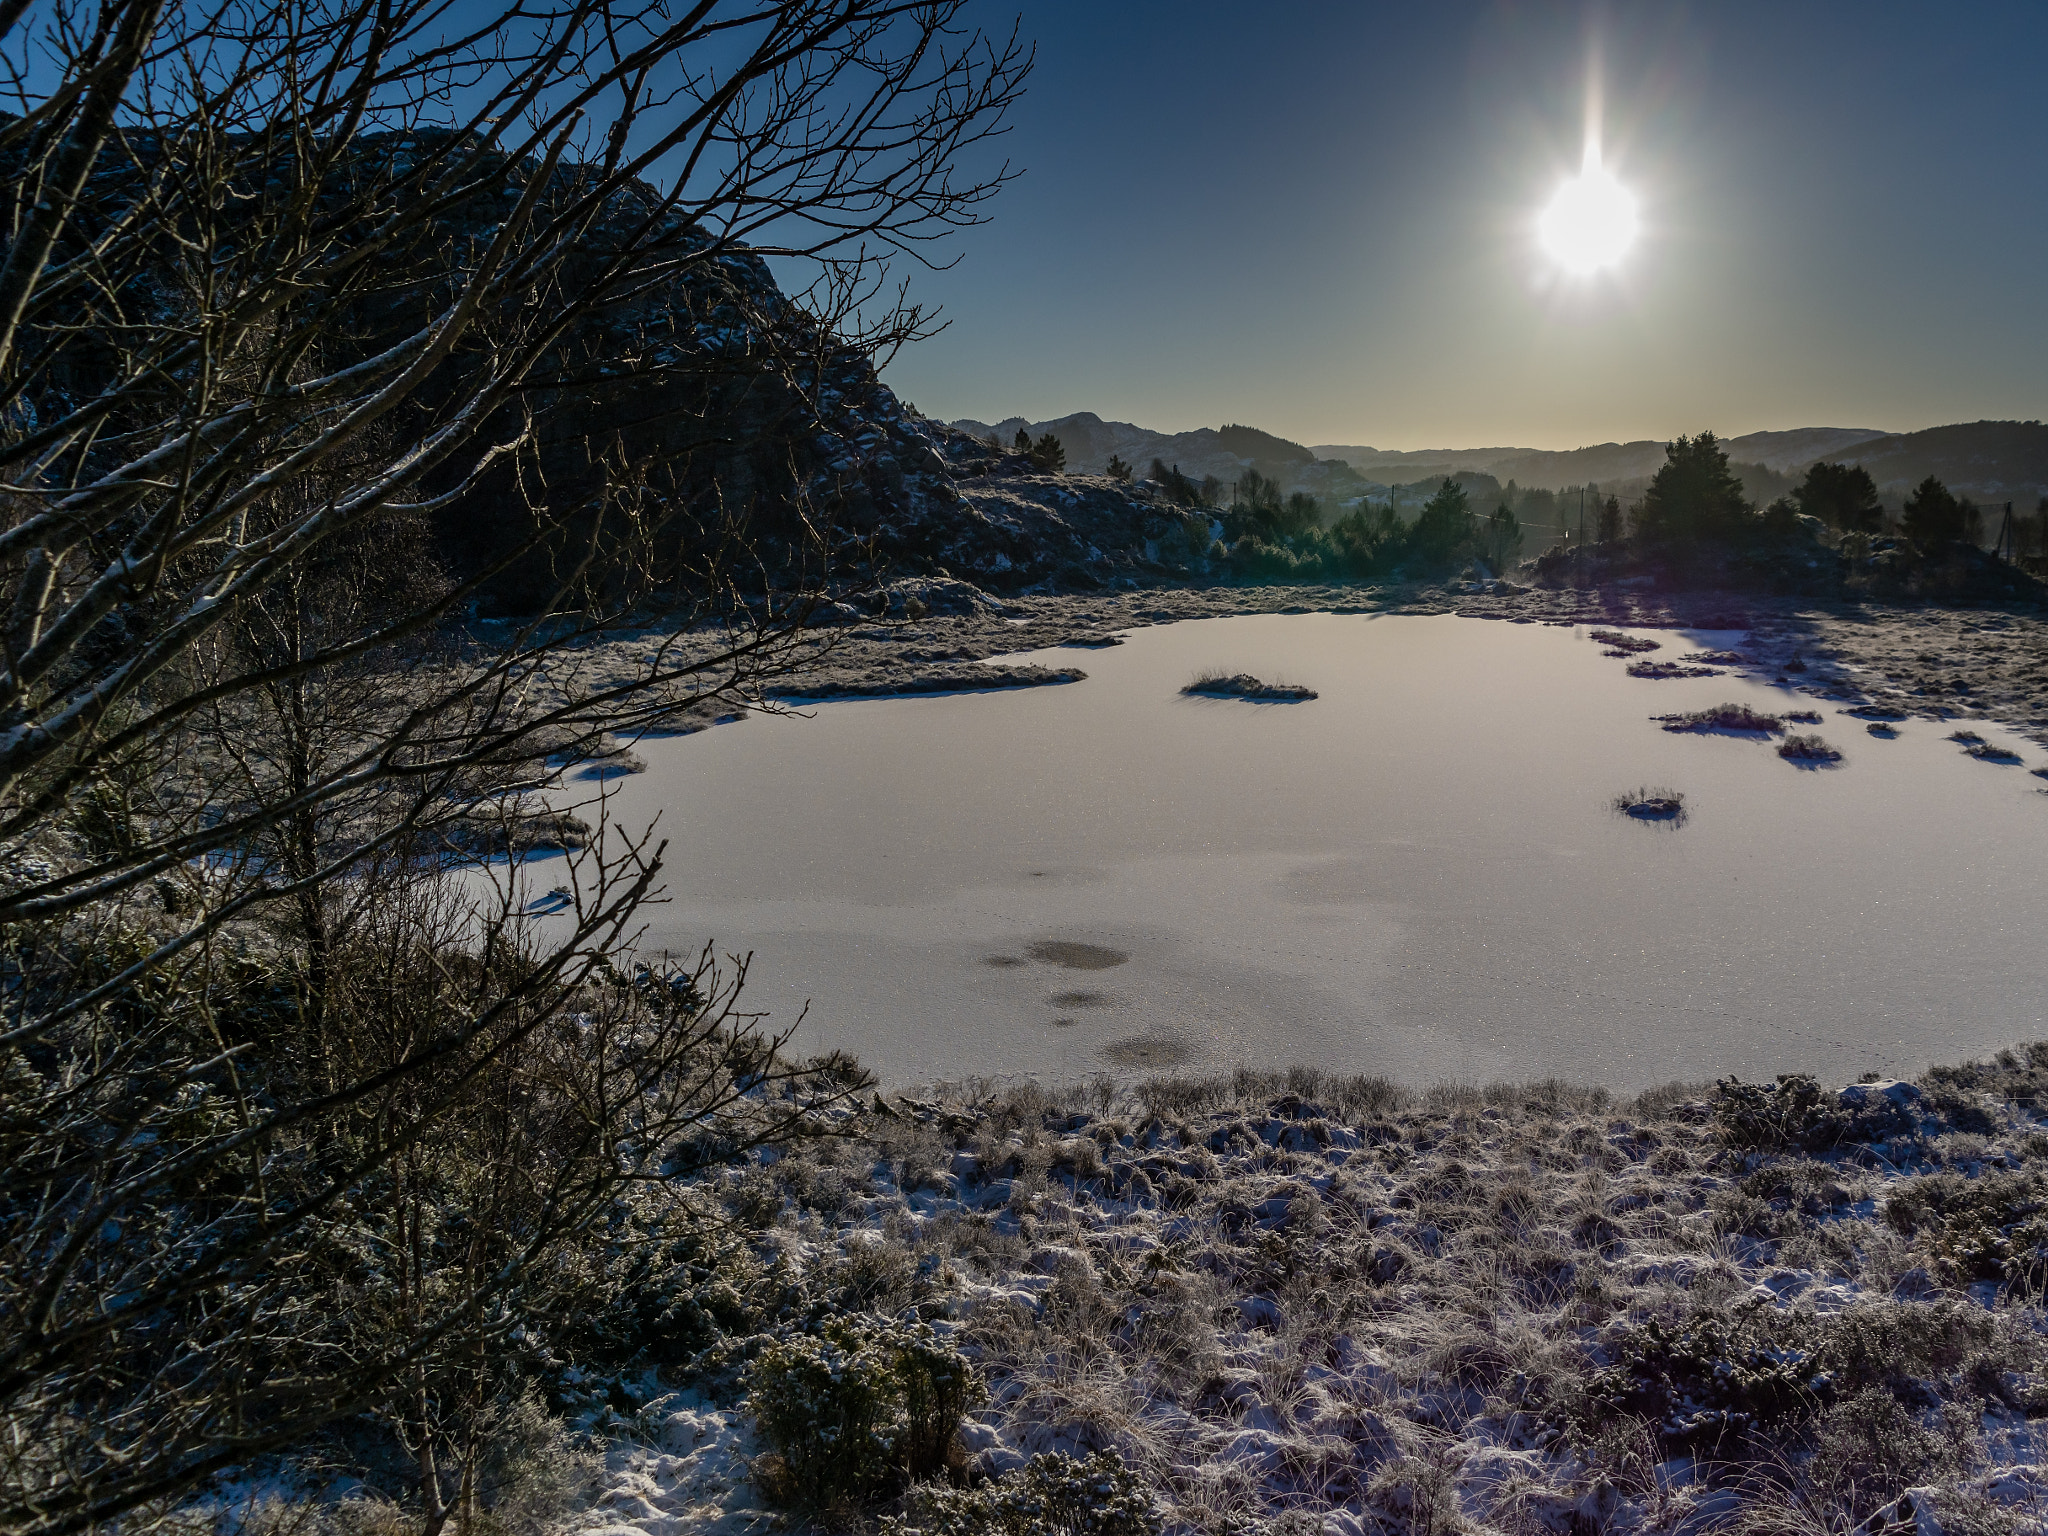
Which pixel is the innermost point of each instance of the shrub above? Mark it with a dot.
(854, 1408)
(1808, 749)
(1988, 1228)
(1724, 717)
(1869, 1450)
(1242, 685)
(1714, 1374)
(1760, 1117)
(1657, 670)
(1619, 644)
(1976, 746)
(1053, 1495)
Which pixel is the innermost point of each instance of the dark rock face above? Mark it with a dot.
(737, 414)
(744, 414)
(1080, 531)
(697, 408)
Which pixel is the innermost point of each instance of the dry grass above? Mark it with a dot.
(1808, 749)
(1648, 804)
(1288, 1295)
(1725, 717)
(1218, 684)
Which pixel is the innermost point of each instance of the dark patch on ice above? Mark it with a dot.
(1083, 1000)
(1076, 957)
(1151, 1052)
(1002, 962)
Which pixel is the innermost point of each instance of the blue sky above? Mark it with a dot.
(1317, 218)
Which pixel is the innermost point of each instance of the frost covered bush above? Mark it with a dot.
(1052, 1495)
(1304, 1302)
(1718, 1373)
(1987, 1228)
(1768, 1117)
(854, 1407)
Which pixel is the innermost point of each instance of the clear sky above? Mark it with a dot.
(1319, 218)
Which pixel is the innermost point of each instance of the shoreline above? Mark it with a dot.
(1932, 661)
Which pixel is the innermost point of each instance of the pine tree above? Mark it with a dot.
(1842, 496)
(1118, 469)
(1608, 528)
(1694, 496)
(1501, 538)
(1442, 533)
(1933, 516)
(1048, 456)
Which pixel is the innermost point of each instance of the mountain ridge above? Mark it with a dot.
(1989, 460)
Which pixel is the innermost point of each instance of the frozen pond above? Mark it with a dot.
(1420, 873)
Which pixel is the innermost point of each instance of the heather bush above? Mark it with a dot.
(1051, 1495)
(1767, 1117)
(853, 1408)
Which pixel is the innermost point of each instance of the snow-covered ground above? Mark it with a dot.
(1339, 1308)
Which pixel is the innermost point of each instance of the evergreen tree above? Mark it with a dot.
(1500, 541)
(1048, 455)
(1695, 496)
(1607, 529)
(1117, 468)
(1442, 533)
(1177, 487)
(1302, 514)
(1933, 516)
(1022, 444)
(1842, 496)
(1367, 538)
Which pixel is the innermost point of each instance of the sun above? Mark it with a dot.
(1590, 223)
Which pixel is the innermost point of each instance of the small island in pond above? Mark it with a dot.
(1242, 685)
(1651, 804)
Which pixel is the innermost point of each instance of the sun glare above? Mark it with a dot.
(1591, 221)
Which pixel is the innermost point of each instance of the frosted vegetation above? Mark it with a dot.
(1317, 1303)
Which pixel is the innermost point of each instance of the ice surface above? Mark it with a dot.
(1420, 873)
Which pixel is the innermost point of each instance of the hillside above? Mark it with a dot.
(1602, 463)
(1993, 461)
(1225, 453)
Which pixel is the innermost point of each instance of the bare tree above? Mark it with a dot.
(286, 286)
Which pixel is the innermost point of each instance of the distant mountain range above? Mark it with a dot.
(1993, 461)
(1786, 452)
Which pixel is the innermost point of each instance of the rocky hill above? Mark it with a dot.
(1222, 452)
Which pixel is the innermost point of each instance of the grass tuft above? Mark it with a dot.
(1807, 749)
(1647, 804)
(1242, 685)
(1724, 717)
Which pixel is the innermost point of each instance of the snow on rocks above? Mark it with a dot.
(689, 1479)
